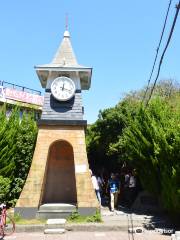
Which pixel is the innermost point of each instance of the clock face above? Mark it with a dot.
(63, 88)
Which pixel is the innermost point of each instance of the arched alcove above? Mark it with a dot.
(60, 183)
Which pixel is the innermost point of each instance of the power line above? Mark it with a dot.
(166, 46)
(157, 50)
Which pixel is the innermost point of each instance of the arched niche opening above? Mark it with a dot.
(60, 183)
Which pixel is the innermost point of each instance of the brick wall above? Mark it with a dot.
(33, 191)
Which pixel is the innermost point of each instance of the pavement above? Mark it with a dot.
(115, 225)
(120, 220)
(112, 235)
(112, 221)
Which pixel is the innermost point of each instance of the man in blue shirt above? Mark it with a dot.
(114, 189)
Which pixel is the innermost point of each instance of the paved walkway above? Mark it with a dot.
(124, 217)
(129, 219)
(112, 221)
(114, 227)
(115, 235)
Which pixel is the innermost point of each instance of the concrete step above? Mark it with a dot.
(55, 231)
(58, 206)
(55, 210)
(55, 223)
(60, 221)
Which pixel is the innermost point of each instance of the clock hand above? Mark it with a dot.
(68, 90)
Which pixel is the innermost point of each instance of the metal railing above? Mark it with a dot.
(18, 87)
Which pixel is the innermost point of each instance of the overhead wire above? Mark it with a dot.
(166, 46)
(157, 50)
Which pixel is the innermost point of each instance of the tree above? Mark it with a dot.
(5, 185)
(104, 134)
(17, 142)
(25, 144)
(8, 134)
(152, 143)
(145, 138)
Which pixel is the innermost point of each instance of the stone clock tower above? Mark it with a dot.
(59, 173)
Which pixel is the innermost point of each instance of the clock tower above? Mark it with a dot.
(59, 173)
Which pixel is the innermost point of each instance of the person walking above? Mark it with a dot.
(132, 188)
(101, 185)
(114, 189)
(125, 194)
(95, 186)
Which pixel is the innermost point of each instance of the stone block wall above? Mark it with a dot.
(31, 196)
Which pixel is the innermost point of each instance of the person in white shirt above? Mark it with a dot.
(132, 188)
(96, 186)
(132, 181)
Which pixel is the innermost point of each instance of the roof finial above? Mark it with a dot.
(66, 33)
(66, 21)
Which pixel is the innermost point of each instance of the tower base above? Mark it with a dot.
(60, 153)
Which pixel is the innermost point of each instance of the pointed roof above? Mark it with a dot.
(64, 60)
(65, 54)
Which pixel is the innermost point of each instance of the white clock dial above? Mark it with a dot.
(63, 88)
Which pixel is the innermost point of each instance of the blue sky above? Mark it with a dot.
(117, 38)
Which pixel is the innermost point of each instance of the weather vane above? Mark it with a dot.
(66, 21)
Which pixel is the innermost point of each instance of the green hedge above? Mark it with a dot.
(17, 142)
